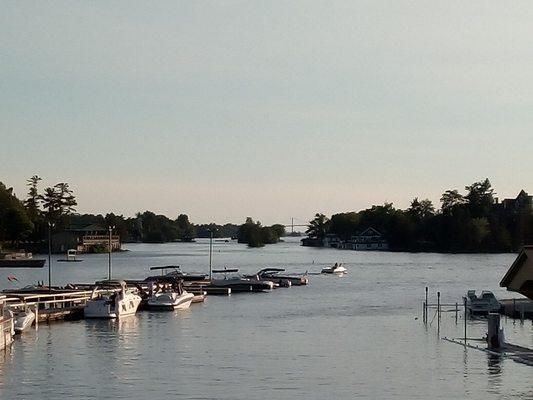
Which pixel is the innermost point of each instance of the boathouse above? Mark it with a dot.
(369, 239)
(87, 238)
(519, 278)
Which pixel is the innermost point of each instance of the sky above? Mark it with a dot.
(269, 109)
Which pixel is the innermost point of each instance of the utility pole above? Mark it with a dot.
(110, 250)
(210, 254)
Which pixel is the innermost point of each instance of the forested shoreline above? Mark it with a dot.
(475, 221)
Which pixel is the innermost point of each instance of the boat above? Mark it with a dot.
(71, 256)
(20, 260)
(176, 271)
(273, 274)
(111, 299)
(337, 269)
(483, 304)
(7, 329)
(238, 283)
(23, 319)
(167, 293)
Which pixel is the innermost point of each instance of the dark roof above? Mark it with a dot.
(515, 267)
(85, 227)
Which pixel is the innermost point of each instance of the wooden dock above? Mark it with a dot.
(517, 308)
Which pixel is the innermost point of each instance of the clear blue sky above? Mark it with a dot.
(269, 109)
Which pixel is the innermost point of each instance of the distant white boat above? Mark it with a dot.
(23, 319)
(118, 301)
(483, 304)
(337, 269)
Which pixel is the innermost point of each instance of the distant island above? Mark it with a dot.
(474, 222)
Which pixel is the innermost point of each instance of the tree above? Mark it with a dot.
(33, 200)
(58, 202)
(15, 225)
(450, 200)
(480, 198)
(421, 210)
(318, 227)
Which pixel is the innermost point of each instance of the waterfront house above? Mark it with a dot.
(519, 278)
(86, 238)
(312, 242)
(332, 240)
(369, 239)
(522, 204)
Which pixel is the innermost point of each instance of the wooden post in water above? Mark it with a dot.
(522, 313)
(438, 313)
(36, 316)
(493, 333)
(426, 308)
(464, 303)
(456, 312)
(424, 312)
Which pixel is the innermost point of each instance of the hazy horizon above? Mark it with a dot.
(228, 109)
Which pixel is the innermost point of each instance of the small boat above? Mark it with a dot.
(71, 256)
(336, 269)
(20, 260)
(111, 299)
(484, 304)
(7, 329)
(273, 274)
(239, 283)
(23, 319)
(167, 293)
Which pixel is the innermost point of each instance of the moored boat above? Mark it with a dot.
(239, 283)
(274, 275)
(167, 293)
(483, 304)
(23, 319)
(111, 299)
(20, 260)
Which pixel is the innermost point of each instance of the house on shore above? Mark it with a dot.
(522, 204)
(88, 238)
(368, 240)
(519, 278)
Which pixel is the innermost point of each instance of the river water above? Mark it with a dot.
(356, 336)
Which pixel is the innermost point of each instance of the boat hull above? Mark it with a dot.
(31, 263)
(181, 302)
(23, 321)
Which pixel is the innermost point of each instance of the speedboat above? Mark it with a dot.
(113, 300)
(176, 271)
(23, 319)
(6, 324)
(273, 274)
(484, 304)
(238, 283)
(170, 300)
(337, 269)
(166, 292)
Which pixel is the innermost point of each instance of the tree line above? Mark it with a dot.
(473, 221)
(25, 223)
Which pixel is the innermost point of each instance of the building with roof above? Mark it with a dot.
(519, 278)
(85, 238)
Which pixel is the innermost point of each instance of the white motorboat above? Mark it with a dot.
(23, 319)
(170, 300)
(483, 304)
(111, 299)
(337, 269)
(6, 324)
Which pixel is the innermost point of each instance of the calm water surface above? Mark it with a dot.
(339, 338)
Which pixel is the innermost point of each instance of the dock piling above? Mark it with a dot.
(465, 317)
(438, 313)
(493, 333)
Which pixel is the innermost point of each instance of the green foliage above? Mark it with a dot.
(255, 235)
(318, 227)
(15, 224)
(465, 223)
